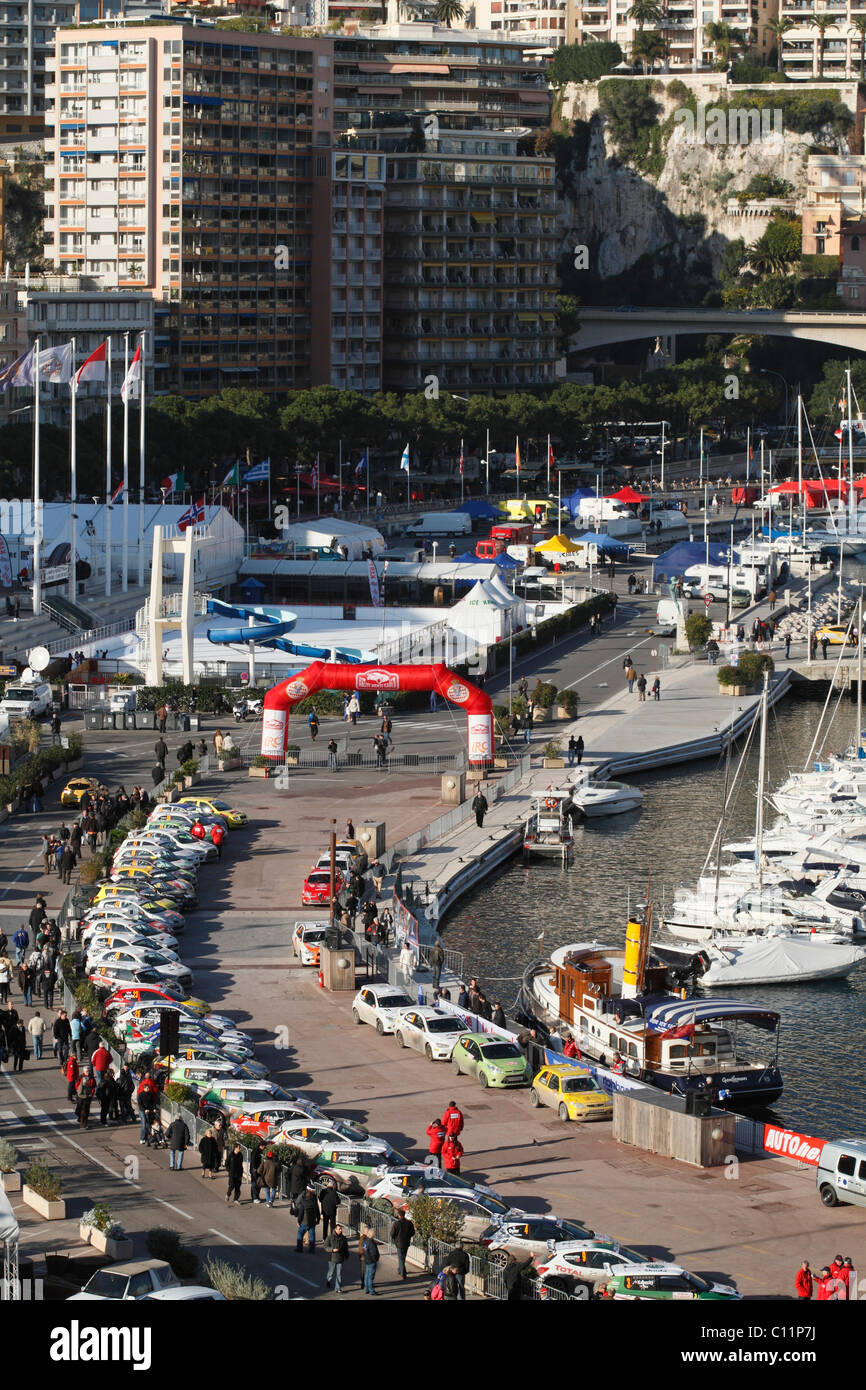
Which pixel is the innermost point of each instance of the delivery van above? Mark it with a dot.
(512, 533)
(667, 617)
(531, 509)
(841, 1173)
(440, 524)
(602, 509)
(714, 579)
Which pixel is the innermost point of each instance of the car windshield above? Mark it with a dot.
(313, 935)
(318, 878)
(501, 1051)
(107, 1285)
(394, 1001)
(445, 1025)
(571, 1084)
(698, 1283)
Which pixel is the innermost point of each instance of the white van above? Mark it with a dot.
(841, 1173)
(22, 701)
(602, 509)
(713, 580)
(667, 616)
(440, 524)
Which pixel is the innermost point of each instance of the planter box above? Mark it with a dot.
(84, 1233)
(169, 796)
(501, 763)
(539, 715)
(563, 713)
(75, 766)
(553, 762)
(228, 764)
(737, 691)
(11, 1182)
(115, 1249)
(259, 771)
(51, 1211)
(192, 781)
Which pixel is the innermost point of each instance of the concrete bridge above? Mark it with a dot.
(601, 326)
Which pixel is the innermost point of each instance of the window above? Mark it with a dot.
(855, 243)
(845, 1165)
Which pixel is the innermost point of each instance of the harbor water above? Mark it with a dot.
(503, 924)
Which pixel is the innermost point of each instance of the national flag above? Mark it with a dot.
(857, 426)
(131, 388)
(94, 367)
(11, 375)
(233, 477)
(362, 464)
(685, 1030)
(461, 458)
(314, 473)
(751, 452)
(175, 482)
(375, 592)
(404, 461)
(193, 516)
(118, 492)
(517, 455)
(550, 459)
(259, 473)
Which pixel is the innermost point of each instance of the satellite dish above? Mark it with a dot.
(39, 658)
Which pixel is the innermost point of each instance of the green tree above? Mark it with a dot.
(858, 22)
(446, 11)
(780, 27)
(648, 47)
(724, 39)
(583, 62)
(435, 1218)
(644, 12)
(567, 320)
(699, 630)
(822, 22)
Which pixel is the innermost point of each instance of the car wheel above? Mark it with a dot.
(428, 1053)
(498, 1259)
(563, 1112)
(328, 1180)
(482, 1079)
(379, 1027)
(828, 1196)
(401, 1041)
(456, 1066)
(534, 1099)
(356, 1016)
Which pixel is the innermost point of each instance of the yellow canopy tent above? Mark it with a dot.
(557, 545)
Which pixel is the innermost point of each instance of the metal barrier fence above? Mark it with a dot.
(77, 638)
(318, 758)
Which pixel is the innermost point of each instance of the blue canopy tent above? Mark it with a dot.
(574, 500)
(609, 545)
(682, 556)
(477, 508)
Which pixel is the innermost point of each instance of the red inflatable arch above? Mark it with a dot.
(330, 675)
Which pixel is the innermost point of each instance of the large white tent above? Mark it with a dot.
(330, 533)
(480, 615)
(500, 591)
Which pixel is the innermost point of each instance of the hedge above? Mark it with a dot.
(42, 765)
(748, 671)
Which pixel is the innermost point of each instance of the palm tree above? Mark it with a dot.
(648, 47)
(724, 39)
(859, 23)
(446, 11)
(822, 22)
(645, 12)
(779, 27)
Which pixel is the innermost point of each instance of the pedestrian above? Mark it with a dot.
(498, 1015)
(47, 854)
(350, 829)
(579, 749)
(337, 1248)
(308, 1220)
(406, 961)
(71, 1073)
(813, 646)
(371, 1258)
(771, 596)
(270, 1177)
(479, 806)
(217, 835)
(631, 677)
(162, 716)
(452, 1152)
(100, 1062)
(84, 1091)
(434, 703)
(313, 721)
(36, 1028)
(402, 1235)
(5, 980)
(107, 1093)
(657, 689)
(379, 750)
(328, 1205)
(62, 1035)
(840, 1274)
(803, 1281)
(332, 754)
(16, 1039)
(511, 1277)
(572, 750)
(235, 1171)
(570, 1048)
(220, 1135)
(20, 941)
(297, 1183)
(177, 1135)
(255, 1173)
(208, 1153)
(641, 688)
(354, 707)
(436, 1133)
(787, 646)
(460, 1267)
(825, 1285)
(436, 960)
(160, 748)
(147, 1096)
(67, 864)
(218, 744)
(825, 642)
(125, 1088)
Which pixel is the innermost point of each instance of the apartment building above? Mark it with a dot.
(683, 26)
(180, 158)
(835, 195)
(807, 54)
(26, 41)
(469, 258)
(544, 19)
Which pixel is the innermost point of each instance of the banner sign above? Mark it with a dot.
(788, 1144)
(375, 594)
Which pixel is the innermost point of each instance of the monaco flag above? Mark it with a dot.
(131, 387)
(93, 368)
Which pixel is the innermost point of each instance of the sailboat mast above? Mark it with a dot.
(852, 496)
(859, 670)
(762, 776)
(800, 462)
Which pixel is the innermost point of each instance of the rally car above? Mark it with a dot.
(380, 1005)
(317, 886)
(430, 1031)
(344, 1155)
(214, 806)
(307, 939)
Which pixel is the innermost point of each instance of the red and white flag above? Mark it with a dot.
(118, 492)
(131, 388)
(94, 368)
(193, 516)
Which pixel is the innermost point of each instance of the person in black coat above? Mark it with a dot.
(328, 1205)
(125, 1085)
(256, 1171)
(209, 1151)
(511, 1277)
(337, 1247)
(17, 1035)
(402, 1235)
(235, 1171)
(459, 1262)
(297, 1183)
(108, 1098)
(308, 1220)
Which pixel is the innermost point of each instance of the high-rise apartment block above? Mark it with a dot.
(683, 27)
(26, 42)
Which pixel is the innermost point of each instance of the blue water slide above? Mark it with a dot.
(269, 632)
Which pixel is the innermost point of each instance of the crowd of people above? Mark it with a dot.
(833, 1281)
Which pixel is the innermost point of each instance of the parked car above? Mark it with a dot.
(307, 939)
(317, 886)
(135, 1279)
(492, 1061)
(430, 1031)
(670, 1282)
(523, 1233)
(380, 1005)
(572, 1092)
(590, 1262)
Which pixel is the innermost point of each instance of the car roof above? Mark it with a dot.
(427, 1011)
(651, 1268)
(136, 1267)
(384, 988)
(564, 1069)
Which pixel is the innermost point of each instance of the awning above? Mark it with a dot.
(664, 1016)
(527, 318)
(484, 216)
(534, 96)
(434, 68)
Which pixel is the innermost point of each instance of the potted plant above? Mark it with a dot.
(293, 753)
(41, 1191)
(98, 1228)
(552, 754)
(190, 772)
(566, 704)
(745, 678)
(9, 1175)
(260, 766)
(543, 697)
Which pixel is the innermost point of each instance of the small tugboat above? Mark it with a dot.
(547, 830)
(618, 1002)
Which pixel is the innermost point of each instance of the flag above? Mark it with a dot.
(751, 452)
(131, 387)
(550, 459)
(375, 593)
(193, 515)
(362, 465)
(857, 426)
(55, 365)
(10, 376)
(314, 473)
(461, 458)
(685, 1030)
(517, 455)
(5, 564)
(261, 472)
(175, 482)
(233, 477)
(404, 461)
(94, 367)
(117, 491)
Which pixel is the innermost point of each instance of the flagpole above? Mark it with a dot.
(408, 482)
(318, 493)
(37, 488)
(462, 479)
(141, 463)
(548, 467)
(124, 583)
(108, 467)
(269, 485)
(341, 476)
(517, 466)
(73, 470)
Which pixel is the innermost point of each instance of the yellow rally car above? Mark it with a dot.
(121, 892)
(233, 819)
(837, 635)
(573, 1092)
(75, 789)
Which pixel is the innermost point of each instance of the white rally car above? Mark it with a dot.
(307, 938)
(344, 1154)
(430, 1031)
(380, 1005)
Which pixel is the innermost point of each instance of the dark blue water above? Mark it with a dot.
(498, 925)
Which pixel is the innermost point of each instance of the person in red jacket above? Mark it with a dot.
(826, 1286)
(217, 835)
(570, 1048)
(803, 1281)
(100, 1062)
(452, 1119)
(197, 830)
(839, 1274)
(436, 1133)
(70, 1071)
(452, 1152)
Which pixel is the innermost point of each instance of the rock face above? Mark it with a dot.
(627, 215)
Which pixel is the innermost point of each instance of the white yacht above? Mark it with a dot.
(774, 957)
(599, 798)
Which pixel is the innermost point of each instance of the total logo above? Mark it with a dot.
(378, 679)
(457, 692)
(296, 690)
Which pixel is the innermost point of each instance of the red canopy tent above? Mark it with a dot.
(628, 495)
(791, 486)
